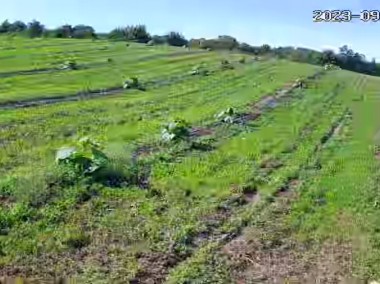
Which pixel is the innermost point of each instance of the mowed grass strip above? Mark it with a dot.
(327, 195)
(103, 53)
(207, 264)
(344, 195)
(245, 149)
(123, 122)
(71, 83)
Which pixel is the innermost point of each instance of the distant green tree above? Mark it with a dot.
(137, 33)
(65, 31)
(245, 47)
(221, 43)
(4, 27)
(265, 48)
(157, 39)
(35, 29)
(49, 33)
(176, 39)
(344, 50)
(117, 34)
(315, 57)
(83, 31)
(17, 27)
(328, 57)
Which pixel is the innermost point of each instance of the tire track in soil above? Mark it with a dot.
(149, 272)
(250, 195)
(358, 85)
(258, 108)
(280, 258)
(264, 104)
(155, 269)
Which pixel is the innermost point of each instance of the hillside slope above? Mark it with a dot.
(283, 184)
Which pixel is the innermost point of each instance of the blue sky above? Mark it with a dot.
(276, 22)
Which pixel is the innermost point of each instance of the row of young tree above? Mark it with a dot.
(140, 34)
(346, 58)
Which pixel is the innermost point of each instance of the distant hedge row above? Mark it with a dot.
(346, 58)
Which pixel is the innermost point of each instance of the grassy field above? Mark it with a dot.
(285, 187)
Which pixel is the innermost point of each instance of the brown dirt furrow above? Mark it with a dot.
(269, 253)
(215, 220)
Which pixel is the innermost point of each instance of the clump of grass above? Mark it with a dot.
(330, 66)
(86, 157)
(300, 83)
(200, 70)
(226, 65)
(227, 116)
(43, 185)
(242, 60)
(133, 83)
(70, 64)
(76, 239)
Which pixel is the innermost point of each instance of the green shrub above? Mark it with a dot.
(75, 238)
(44, 184)
(227, 116)
(117, 173)
(18, 213)
(84, 158)
(179, 129)
(200, 70)
(242, 60)
(133, 83)
(330, 66)
(226, 65)
(70, 65)
(7, 186)
(300, 83)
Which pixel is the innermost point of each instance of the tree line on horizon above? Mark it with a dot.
(346, 58)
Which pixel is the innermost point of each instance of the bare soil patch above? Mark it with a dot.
(201, 131)
(154, 267)
(377, 155)
(268, 253)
